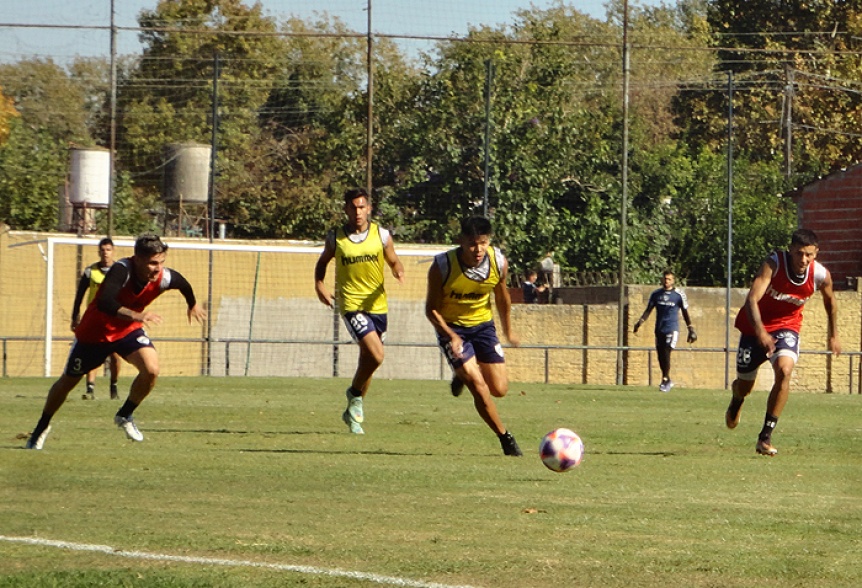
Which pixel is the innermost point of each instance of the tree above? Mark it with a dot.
(7, 113)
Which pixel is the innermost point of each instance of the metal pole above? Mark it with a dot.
(788, 124)
(369, 130)
(112, 174)
(489, 80)
(212, 209)
(727, 354)
(621, 305)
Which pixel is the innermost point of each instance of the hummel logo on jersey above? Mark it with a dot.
(776, 295)
(368, 258)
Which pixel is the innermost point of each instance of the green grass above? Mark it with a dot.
(264, 470)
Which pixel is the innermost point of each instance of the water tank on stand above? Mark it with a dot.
(186, 173)
(90, 177)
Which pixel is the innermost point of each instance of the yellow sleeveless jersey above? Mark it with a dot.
(359, 272)
(467, 294)
(97, 276)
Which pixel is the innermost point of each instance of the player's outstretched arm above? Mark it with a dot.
(831, 306)
(504, 307)
(320, 288)
(393, 260)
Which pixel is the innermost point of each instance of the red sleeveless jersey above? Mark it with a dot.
(99, 327)
(781, 304)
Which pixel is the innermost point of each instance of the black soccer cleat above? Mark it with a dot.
(456, 386)
(509, 445)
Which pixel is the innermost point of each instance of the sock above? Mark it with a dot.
(91, 387)
(769, 423)
(354, 392)
(43, 423)
(127, 409)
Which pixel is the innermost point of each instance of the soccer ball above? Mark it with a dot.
(561, 450)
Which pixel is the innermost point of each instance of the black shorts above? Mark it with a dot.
(360, 323)
(85, 357)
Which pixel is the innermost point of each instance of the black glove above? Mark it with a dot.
(638, 325)
(692, 336)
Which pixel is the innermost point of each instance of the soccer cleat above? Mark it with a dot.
(128, 425)
(355, 427)
(509, 445)
(733, 413)
(765, 448)
(456, 386)
(664, 386)
(669, 385)
(354, 407)
(39, 441)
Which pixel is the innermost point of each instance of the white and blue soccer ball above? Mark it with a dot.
(561, 450)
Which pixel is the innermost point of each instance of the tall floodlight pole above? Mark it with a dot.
(621, 305)
(369, 128)
(729, 228)
(112, 148)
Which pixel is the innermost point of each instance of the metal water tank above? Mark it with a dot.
(90, 177)
(186, 173)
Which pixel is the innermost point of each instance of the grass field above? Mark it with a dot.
(256, 482)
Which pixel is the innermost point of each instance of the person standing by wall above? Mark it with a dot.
(360, 249)
(531, 289)
(668, 302)
(769, 323)
(91, 278)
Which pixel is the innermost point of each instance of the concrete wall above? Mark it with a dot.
(271, 297)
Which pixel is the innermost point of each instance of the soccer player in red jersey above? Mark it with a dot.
(114, 323)
(769, 323)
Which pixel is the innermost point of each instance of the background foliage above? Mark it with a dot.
(293, 106)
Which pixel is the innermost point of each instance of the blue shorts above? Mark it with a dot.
(359, 324)
(480, 342)
(751, 355)
(85, 357)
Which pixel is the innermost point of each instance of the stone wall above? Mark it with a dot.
(271, 298)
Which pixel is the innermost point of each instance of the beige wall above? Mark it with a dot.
(275, 293)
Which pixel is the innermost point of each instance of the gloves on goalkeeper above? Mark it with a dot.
(692, 335)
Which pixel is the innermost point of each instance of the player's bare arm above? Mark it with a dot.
(433, 302)
(326, 256)
(831, 307)
(393, 260)
(755, 293)
(504, 306)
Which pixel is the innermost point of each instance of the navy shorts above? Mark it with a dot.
(85, 357)
(480, 342)
(359, 324)
(751, 355)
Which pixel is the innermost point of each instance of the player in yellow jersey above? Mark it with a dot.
(88, 285)
(458, 304)
(360, 249)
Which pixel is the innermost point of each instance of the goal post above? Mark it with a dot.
(264, 315)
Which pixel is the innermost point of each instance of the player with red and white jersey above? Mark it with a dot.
(769, 323)
(114, 323)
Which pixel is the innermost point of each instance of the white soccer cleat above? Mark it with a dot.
(38, 442)
(128, 425)
(354, 407)
(355, 427)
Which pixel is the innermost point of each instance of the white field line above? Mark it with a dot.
(241, 563)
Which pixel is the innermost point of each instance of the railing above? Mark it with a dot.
(854, 357)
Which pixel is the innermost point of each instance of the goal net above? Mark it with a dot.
(264, 315)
